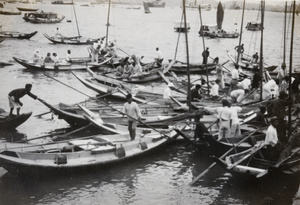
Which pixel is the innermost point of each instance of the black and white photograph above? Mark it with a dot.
(142, 102)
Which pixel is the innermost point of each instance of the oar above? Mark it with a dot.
(51, 135)
(223, 156)
(40, 115)
(278, 163)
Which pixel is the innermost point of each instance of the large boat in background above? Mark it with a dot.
(62, 2)
(195, 5)
(43, 17)
(156, 3)
(253, 26)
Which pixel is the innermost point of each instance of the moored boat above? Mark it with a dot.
(150, 73)
(17, 35)
(26, 9)
(156, 3)
(5, 63)
(180, 27)
(62, 2)
(79, 154)
(249, 64)
(198, 68)
(43, 17)
(6, 12)
(253, 26)
(63, 65)
(76, 40)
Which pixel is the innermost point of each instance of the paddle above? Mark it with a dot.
(51, 135)
(223, 156)
(278, 163)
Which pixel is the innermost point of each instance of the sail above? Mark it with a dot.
(220, 15)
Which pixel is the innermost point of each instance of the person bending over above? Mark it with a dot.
(15, 95)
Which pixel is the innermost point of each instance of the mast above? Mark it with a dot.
(187, 55)
(76, 19)
(284, 37)
(204, 49)
(241, 32)
(290, 71)
(107, 23)
(261, 47)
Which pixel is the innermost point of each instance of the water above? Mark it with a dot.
(159, 177)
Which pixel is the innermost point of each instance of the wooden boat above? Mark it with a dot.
(62, 2)
(17, 35)
(223, 34)
(26, 9)
(146, 121)
(79, 154)
(195, 5)
(79, 64)
(181, 68)
(5, 63)
(43, 17)
(253, 26)
(118, 93)
(6, 12)
(11, 122)
(219, 147)
(151, 75)
(180, 27)
(207, 29)
(156, 4)
(75, 40)
(254, 163)
(247, 63)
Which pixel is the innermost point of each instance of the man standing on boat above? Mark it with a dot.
(234, 78)
(159, 58)
(205, 55)
(15, 95)
(224, 117)
(68, 56)
(240, 49)
(132, 110)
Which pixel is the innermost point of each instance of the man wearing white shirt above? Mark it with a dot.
(132, 110)
(159, 58)
(224, 117)
(235, 125)
(167, 93)
(234, 78)
(270, 89)
(237, 95)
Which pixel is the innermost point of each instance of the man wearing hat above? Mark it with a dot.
(159, 58)
(167, 93)
(15, 95)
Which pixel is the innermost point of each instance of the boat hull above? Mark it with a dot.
(51, 159)
(12, 122)
(17, 35)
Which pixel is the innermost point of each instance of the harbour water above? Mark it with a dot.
(157, 178)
